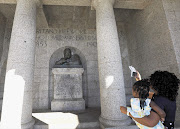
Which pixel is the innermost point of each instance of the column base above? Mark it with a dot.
(105, 123)
(120, 127)
(28, 125)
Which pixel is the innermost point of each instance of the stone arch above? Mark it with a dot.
(57, 55)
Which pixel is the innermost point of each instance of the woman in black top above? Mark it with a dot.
(165, 86)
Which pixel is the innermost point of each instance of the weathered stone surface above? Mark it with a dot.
(148, 40)
(153, 38)
(67, 83)
(109, 60)
(68, 105)
(19, 73)
(128, 4)
(2, 58)
(172, 13)
(68, 94)
(51, 42)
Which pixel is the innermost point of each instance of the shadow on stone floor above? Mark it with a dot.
(88, 119)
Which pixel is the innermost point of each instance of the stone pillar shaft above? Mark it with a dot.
(17, 100)
(110, 65)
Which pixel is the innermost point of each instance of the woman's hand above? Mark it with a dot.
(123, 109)
(137, 76)
(162, 119)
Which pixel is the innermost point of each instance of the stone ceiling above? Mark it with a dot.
(7, 8)
(128, 4)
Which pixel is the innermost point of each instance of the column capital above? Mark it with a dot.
(95, 3)
(38, 2)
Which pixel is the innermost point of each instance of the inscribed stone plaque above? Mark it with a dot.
(68, 86)
(67, 89)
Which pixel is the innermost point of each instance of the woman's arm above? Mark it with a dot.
(150, 121)
(156, 108)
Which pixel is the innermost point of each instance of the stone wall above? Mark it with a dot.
(73, 27)
(2, 29)
(149, 41)
(125, 61)
(68, 28)
(172, 11)
(50, 46)
(122, 17)
(7, 34)
(2, 60)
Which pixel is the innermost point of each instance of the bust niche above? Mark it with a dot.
(67, 75)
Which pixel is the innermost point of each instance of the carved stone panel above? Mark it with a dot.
(67, 89)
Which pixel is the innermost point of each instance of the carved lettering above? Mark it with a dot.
(56, 31)
(66, 31)
(91, 44)
(83, 31)
(72, 37)
(79, 37)
(41, 41)
(68, 34)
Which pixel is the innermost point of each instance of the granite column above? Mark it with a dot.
(111, 78)
(17, 100)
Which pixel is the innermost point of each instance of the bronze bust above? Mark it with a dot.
(69, 60)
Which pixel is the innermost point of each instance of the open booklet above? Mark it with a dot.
(135, 73)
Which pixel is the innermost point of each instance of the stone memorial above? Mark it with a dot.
(67, 72)
(52, 49)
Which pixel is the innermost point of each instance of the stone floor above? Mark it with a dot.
(177, 125)
(88, 119)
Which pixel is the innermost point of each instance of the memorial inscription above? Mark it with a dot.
(67, 87)
(41, 41)
(66, 31)
(61, 37)
(68, 93)
(81, 36)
